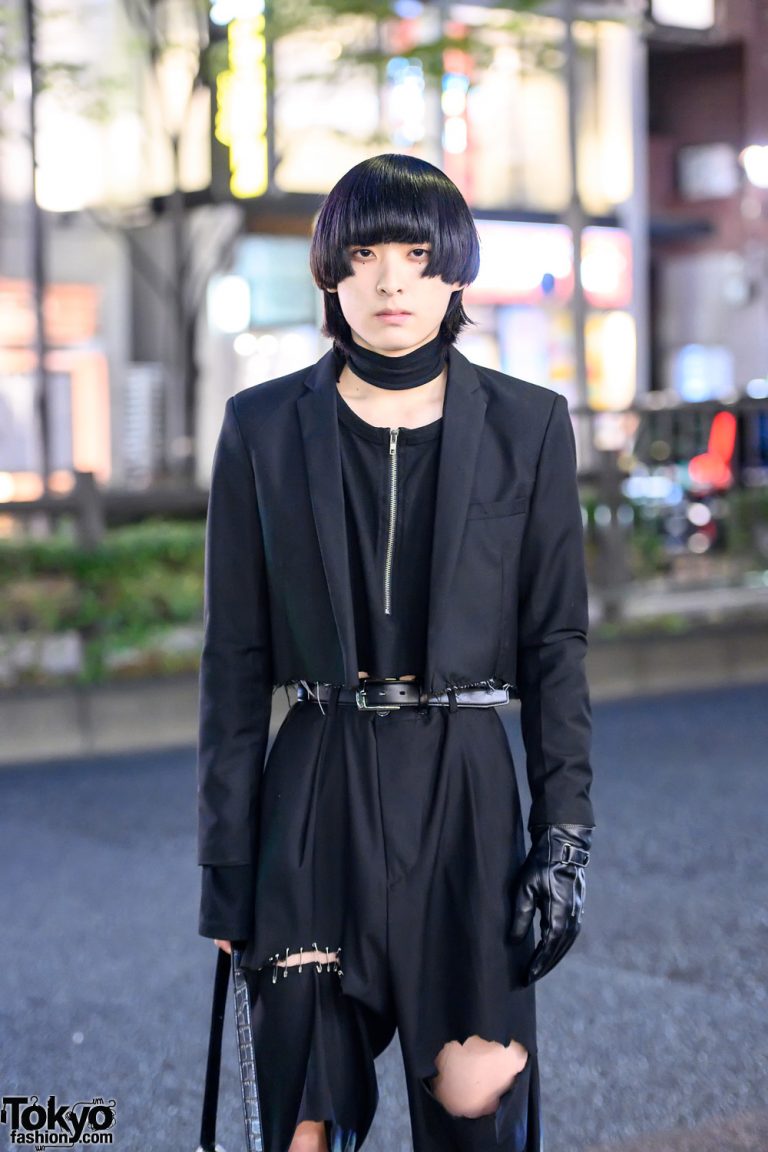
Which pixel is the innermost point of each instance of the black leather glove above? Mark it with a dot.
(552, 879)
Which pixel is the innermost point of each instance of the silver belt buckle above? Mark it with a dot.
(363, 705)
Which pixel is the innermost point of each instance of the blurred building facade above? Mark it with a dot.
(708, 102)
(151, 214)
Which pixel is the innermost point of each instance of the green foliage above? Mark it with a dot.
(748, 523)
(142, 581)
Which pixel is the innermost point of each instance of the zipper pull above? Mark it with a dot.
(393, 440)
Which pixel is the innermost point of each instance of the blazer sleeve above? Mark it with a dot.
(235, 667)
(226, 902)
(555, 711)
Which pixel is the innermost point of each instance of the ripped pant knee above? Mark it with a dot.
(310, 1136)
(472, 1076)
(323, 1136)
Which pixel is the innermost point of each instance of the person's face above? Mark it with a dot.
(389, 305)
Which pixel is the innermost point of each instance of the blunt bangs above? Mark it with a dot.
(394, 199)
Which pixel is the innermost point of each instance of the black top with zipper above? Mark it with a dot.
(390, 486)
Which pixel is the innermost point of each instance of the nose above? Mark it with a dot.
(389, 278)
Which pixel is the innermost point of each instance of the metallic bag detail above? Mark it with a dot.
(245, 1052)
(246, 1057)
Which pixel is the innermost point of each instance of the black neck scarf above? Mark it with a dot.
(409, 371)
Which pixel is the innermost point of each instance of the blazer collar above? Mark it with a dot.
(463, 418)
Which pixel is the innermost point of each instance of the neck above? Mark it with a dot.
(396, 372)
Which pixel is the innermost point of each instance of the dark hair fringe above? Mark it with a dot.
(394, 198)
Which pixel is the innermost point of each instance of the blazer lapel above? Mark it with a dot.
(463, 419)
(320, 433)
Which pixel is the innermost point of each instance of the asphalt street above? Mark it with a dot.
(652, 1031)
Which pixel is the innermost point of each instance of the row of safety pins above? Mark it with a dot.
(308, 690)
(318, 963)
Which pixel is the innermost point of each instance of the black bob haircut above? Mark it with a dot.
(395, 199)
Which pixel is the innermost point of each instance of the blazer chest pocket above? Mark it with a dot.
(485, 510)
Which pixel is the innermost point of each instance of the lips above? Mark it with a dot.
(393, 312)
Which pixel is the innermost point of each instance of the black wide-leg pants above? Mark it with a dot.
(394, 840)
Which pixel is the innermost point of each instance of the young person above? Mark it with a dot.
(396, 533)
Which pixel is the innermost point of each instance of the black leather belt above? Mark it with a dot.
(385, 695)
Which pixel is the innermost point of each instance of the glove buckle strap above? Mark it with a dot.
(573, 855)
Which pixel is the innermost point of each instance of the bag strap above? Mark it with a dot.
(213, 1066)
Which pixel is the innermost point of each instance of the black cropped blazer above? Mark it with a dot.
(507, 595)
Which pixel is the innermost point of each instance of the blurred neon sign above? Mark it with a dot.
(524, 263)
(241, 103)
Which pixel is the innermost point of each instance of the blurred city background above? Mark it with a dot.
(161, 164)
(615, 155)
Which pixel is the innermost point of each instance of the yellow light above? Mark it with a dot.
(611, 360)
(241, 107)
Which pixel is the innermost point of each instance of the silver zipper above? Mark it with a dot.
(393, 434)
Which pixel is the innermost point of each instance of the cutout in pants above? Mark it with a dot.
(395, 840)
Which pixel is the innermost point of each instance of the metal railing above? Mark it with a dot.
(93, 508)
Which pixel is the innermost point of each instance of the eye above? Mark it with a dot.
(421, 252)
(363, 252)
